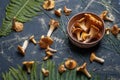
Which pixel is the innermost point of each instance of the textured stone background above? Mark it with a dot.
(38, 26)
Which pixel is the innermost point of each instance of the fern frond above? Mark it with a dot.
(23, 10)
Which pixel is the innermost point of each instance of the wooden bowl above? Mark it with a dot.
(79, 43)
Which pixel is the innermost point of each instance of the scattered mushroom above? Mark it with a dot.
(70, 64)
(17, 26)
(93, 33)
(107, 31)
(77, 32)
(61, 68)
(28, 65)
(45, 72)
(93, 20)
(45, 42)
(49, 4)
(84, 70)
(93, 57)
(58, 12)
(22, 49)
(32, 39)
(67, 11)
(48, 55)
(103, 16)
(115, 30)
(53, 25)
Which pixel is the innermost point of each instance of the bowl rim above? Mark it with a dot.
(69, 34)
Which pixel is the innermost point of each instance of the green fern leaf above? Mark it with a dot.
(23, 10)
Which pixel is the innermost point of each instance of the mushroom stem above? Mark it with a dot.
(84, 70)
(107, 31)
(50, 30)
(32, 39)
(99, 59)
(50, 49)
(78, 36)
(25, 44)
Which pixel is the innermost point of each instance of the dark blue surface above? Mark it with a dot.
(38, 26)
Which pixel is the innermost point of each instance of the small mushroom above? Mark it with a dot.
(53, 25)
(32, 39)
(115, 30)
(93, 57)
(84, 70)
(103, 16)
(45, 42)
(28, 65)
(93, 21)
(22, 49)
(17, 26)
(93, 33)
(77, 32)
(48, 55)
(58, 12)
(67, 11)
(45, 72)
(82, 25)
(70, 64)
(49, 4)
(107, 31)
(61, 68)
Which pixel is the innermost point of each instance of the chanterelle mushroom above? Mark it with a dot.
(49, 4)
(84, 70)
(93, 21)
(67, 11)
(103, 16)
(84, 36)
(45, 42)
(107, 31)
(17, 26)
(58, 12)
(32, 39)
(93, 57)
(70, 64)
(45, 72)
(28, 65)
(77, 32)
(61, 68)
(22, 49)
(48, 55)
(53, 25)
(115, 30)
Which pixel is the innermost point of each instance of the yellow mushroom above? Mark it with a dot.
(45, 72)
(67, 11)
(61, 68)
(53, 25)
(17, 26)
(70, 64)
(48, 55)
(22, 49)
(84, 70)
(28, 65)
(58, 12)
(103, 16)
(115, 30)
(49, 4)
(31, 38)
(93, 57)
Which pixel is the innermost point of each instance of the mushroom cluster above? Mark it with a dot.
(87, 28)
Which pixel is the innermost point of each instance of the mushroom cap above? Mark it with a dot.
(21, 50)
(58, 12)
(76, 30)
(84, 36)
(115, 29)
(70, 64)
(67, 11)
(45, 72)
(82, 67)
(103, 14)
(49, 4)
(17, 26)
(45, 41)
(54, 23)
(28, 62)
(92, 56)
(31, 37)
